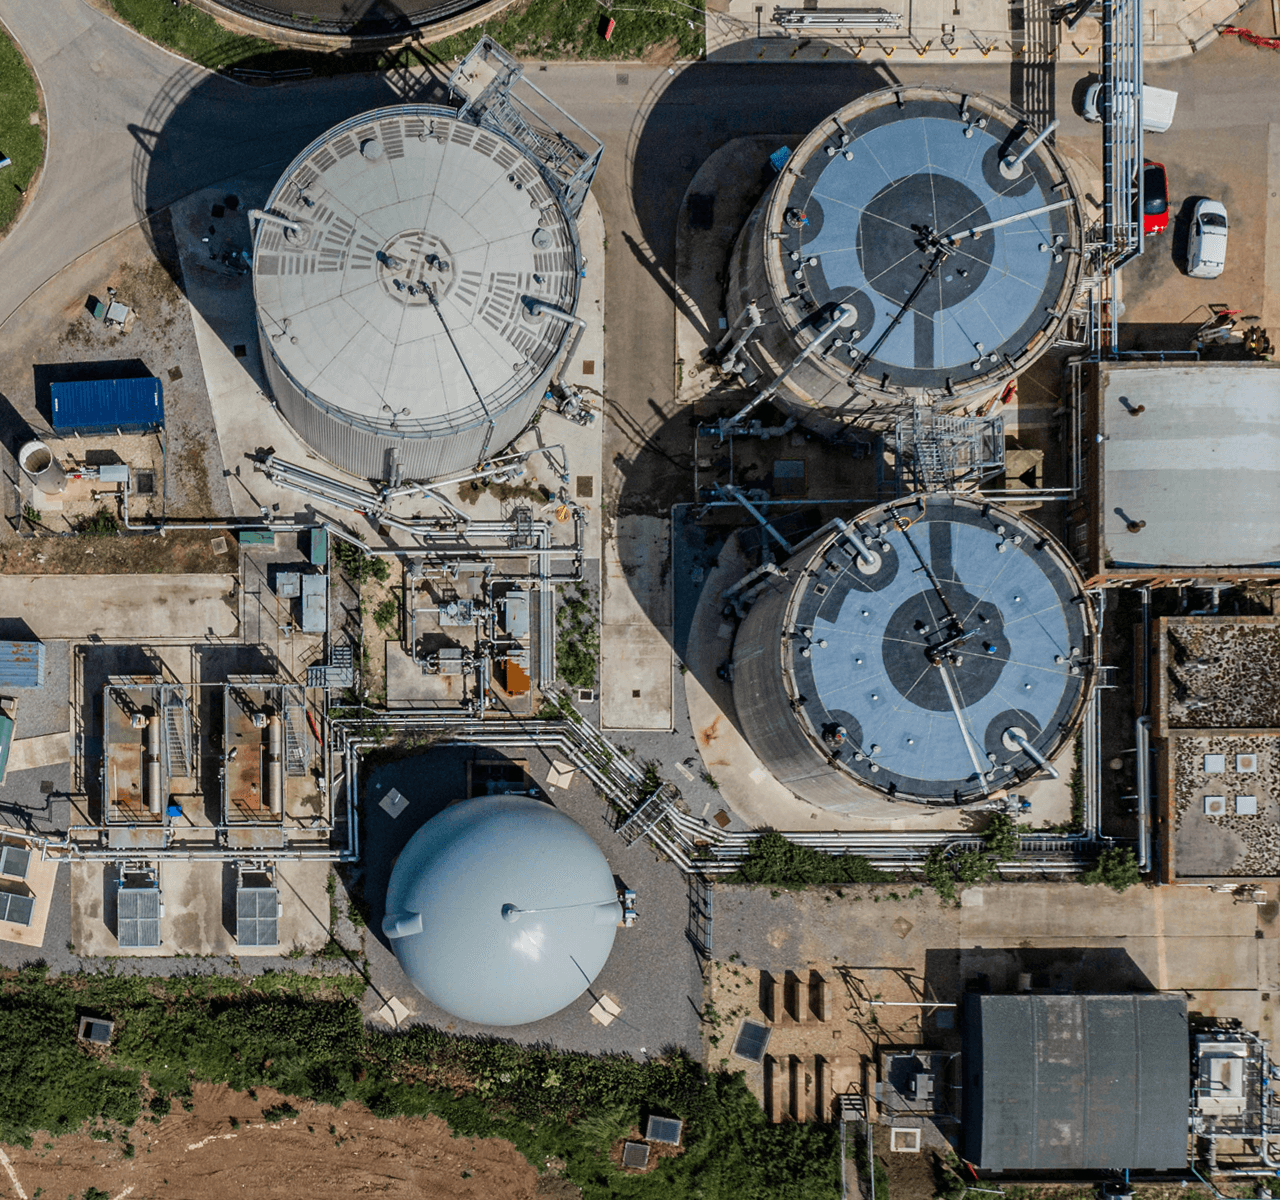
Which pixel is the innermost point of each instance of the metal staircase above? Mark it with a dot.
(295, 744)
(177, 739)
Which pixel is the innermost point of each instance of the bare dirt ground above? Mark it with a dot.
(224, 1147)
(175, 553)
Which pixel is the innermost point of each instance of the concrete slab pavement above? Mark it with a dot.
(122, 607)
(635, 635)
(199, 916)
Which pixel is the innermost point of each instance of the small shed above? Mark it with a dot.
(96, 1031)
(21, 664)
(107, 406)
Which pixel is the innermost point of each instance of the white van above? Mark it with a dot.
(1158, 105)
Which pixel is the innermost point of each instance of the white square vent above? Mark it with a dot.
(1215, 764)
(1246, 806)
(1247, 764)
(906, 1141)
(1215, 806)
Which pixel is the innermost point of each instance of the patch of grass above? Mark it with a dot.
(188, 31)
(551, 1104)
(20, 141)
(562, 29)
(577, 639)
(776, 862)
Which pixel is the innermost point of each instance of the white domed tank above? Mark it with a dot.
(501, 910)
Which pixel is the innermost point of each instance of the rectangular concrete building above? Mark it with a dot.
(1076, 1083)
(1183, 470)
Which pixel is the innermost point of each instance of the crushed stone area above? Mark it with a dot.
(203, 552)
(224, 1147)
(1224, 676)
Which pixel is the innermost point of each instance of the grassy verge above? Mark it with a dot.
(188, 31)
(305, 1037)
(559, 29)
(20, 141)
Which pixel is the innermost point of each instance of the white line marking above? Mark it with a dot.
(13, 1175)
(125, 1192)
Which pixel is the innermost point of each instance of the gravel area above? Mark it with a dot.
(1224, 675)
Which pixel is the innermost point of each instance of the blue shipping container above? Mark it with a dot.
(21, 664)
(108, 405)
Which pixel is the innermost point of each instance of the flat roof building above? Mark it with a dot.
(1076, 1083)
(1184, 473)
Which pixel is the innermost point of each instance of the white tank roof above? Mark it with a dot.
(501, 910)
(411, 198)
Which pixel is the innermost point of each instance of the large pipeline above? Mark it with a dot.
(155, 801)
(275, 765)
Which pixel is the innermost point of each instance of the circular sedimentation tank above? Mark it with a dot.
(414, 287)
(953, 277)
(936, 649)
(501, 910)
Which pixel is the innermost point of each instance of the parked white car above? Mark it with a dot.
(1158, 105)
(1207, 240)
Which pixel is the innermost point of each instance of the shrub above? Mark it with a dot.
(776, 862)
(1116, 868)
(1002, 838)
(359, 565)
(101, 524)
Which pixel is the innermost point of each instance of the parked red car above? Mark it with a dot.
(1155, 198)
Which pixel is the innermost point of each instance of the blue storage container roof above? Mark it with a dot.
(107, 404)
(21, 664)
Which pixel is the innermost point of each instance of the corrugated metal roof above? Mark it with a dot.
(21, 664)
(138, 917)
(1063, 1083)
(107, 404)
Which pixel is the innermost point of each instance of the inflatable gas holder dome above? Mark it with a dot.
(501, 910)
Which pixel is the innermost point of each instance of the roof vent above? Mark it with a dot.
(371, 149)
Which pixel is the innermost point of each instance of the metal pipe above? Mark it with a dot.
(729, 490)
(1142, 733)
(1011, 167)
(275, 767)
(1019, 740)
(258, 214)
(154, 798)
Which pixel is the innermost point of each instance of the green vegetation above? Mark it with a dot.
(539, 29)
(359, 565)
(575, 29)
(387, 615)
(1077, 788)
(577, 639)
(776, 862)
(186, 30)
(31, 513)
(1002, 837)
(943, 869)
(305, 1036)
(102, 523)
(20, 141)
(1116, 868)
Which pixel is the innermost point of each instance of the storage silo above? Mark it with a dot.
(937, 649)
(502, 910)
(903, 256)
(416, 274)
